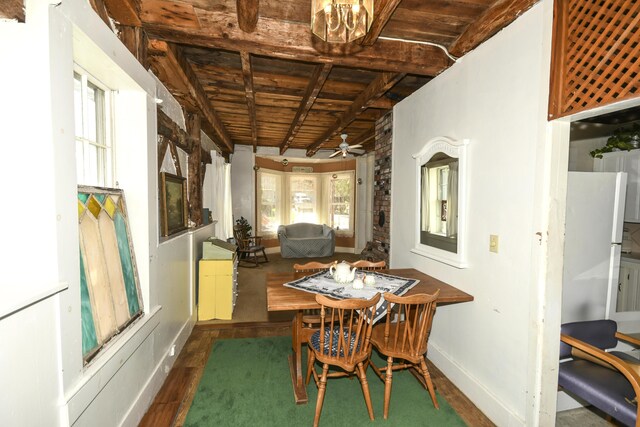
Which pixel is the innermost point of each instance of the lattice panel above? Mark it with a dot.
(595, 54)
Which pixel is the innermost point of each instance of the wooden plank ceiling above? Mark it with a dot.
(256, 74)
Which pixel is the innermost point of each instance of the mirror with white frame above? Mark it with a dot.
(441, 201)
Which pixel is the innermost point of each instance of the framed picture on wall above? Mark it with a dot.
(173, 204)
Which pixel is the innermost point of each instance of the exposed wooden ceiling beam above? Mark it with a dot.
(126, 12)
(384, 10)
(247, 76)
(319, 76)
(173, 70)
(375, 90)
(490, 22)
(247, 14)
(12, 9)
(287, 40)
(364, 137)
(101, 9)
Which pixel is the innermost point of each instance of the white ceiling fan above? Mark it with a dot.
(345, 148)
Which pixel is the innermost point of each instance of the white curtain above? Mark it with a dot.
(425, 200)
(452, 200)
(217, 195)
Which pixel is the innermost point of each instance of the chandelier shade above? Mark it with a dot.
(341, 21)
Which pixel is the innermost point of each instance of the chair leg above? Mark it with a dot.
(362, 375)
(265, 256)
(322, 387)
(310, 361)
(427, 379)
(387, 386)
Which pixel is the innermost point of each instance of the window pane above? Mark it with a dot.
(303, 191)
(77, 104)
(340, 203)
(91, 176)
(270, 212)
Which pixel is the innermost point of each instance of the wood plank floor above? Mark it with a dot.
(172, 403)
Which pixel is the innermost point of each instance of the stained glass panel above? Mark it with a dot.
(110, 291)
(89, 340)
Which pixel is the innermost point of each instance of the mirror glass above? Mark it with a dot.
(439, 203)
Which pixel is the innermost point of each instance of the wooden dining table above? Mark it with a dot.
(282, 298)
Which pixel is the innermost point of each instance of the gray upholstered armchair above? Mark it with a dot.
(304, 240)
(607, 380)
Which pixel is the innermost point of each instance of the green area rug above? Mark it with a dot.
(246, 383)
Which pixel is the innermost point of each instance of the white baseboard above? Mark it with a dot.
(154, 383)
(473, 389)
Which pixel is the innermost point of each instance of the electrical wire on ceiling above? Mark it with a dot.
(439, 46)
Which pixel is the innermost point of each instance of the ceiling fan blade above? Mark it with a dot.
(357, 151)
(355, 146)
(335, 154)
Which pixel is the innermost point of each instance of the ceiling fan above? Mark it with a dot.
(345, 148)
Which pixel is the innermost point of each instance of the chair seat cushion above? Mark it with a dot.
(315, 341)
(604, 388)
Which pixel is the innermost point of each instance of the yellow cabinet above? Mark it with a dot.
(217, 288)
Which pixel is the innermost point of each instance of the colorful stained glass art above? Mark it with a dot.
(109, 288)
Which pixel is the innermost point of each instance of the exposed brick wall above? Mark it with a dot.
(382, 187)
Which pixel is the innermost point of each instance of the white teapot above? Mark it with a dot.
(342, 273)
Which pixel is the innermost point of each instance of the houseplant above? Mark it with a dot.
(624, 138)
(244, 226)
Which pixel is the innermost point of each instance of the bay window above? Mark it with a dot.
(318, 198)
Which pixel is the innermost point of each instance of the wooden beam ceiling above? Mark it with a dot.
(498, 16)
(173, 69)
(375, 90)
(12, 9)
(319, 76)
(247, 14)
(286, 40)
(384, 11)
(126, 12)
(247, 77)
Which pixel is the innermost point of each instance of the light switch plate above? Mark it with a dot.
(493, 243)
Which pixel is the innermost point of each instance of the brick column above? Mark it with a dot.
(382, 187)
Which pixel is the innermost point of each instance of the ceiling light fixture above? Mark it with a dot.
(341, 21)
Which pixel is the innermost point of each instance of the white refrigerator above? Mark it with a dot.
(593, 236)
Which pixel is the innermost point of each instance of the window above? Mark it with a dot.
(441, 204)
(319, 198)
(304, 192)
(94, 160)
(270, 191)
(340, 202)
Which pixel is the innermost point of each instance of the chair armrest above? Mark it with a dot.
(257, 240)
(629, 339)
(618, 364)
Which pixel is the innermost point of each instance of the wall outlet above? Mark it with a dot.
(493, 243)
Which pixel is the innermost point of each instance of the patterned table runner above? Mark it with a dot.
(323, 283)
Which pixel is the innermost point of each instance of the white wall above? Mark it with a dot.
(496, 96)
(42, 361)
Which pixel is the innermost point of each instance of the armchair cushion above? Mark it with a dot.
(305, 240)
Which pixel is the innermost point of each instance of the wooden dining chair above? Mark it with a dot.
(368, 265)
(312, 266)
(311, 317)
(342, 341)
(404, 336)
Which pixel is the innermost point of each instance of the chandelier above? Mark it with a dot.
(341, 21)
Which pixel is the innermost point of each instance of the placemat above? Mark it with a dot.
(323, 283)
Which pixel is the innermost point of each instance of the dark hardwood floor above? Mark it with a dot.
(172, 403)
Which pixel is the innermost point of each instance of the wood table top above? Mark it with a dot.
(282, 298)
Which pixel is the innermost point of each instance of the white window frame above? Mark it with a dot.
(106, 162)
(455, 149)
